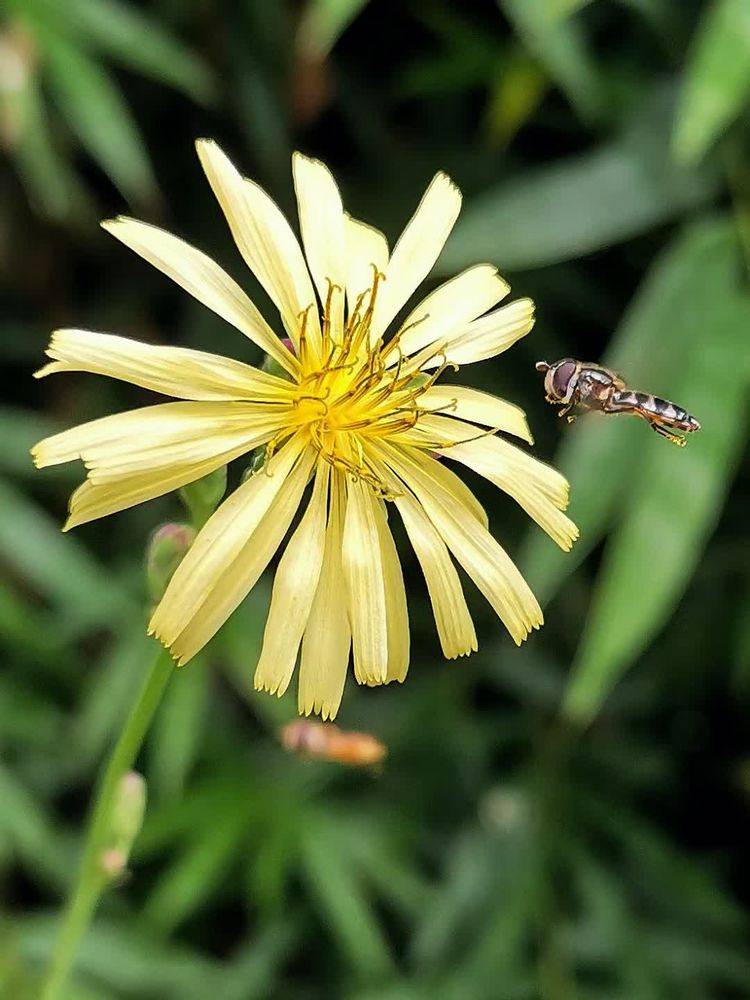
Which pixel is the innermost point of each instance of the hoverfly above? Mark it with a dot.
(325, 741)
(569, 383)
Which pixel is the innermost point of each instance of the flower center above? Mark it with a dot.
(350, 396)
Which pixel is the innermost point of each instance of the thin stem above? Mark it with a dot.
(91, 877)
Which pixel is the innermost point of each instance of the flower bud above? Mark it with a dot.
(203, 496)
(166, 550)
(113, 863)
(128, 809)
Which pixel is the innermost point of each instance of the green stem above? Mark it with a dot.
(91, 878)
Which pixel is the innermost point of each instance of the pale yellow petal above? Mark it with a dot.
(474, 547)
(366, 248)
(265, 240)
(537, 487)
(166, 424)
(479, 407)
(99, 499)
(417, 249)
(488, 336)
(363, 573)
(137, 456)
(294, 588)
(396, 612)
(321, 219)
(202, 278)
(174, 371)
(215, 559)
(243, 572)
(454, 625)
(448, 480)
(493, 449)
(451, 306)
(327, 639)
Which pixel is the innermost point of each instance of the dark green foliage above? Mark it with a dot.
(567, 821)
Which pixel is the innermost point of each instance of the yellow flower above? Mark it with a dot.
(358, 414)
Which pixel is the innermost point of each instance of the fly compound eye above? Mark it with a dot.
(561, 378)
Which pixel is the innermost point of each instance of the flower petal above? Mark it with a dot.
(124, 434)
(95, 499)
(363, 572)
(202, 278)
(265, 240)
(451, 306)
(365, 247)
(479, 407)
(294, 588)
(473, 546)
(243, 573)
(321, 219)
(454, 625)
(214, 570)
(485, 337)
(396, 612)
(540, 475)
(444, 477)
(537, 487)
(137, 456)
(417, 249)
(327, 639)
(174, 371)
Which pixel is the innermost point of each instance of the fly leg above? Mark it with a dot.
(565, 410)
(665, 432)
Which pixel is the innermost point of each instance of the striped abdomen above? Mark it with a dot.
(663, 410)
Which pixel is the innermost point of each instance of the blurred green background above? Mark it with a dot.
(565, 821)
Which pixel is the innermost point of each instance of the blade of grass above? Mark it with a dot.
(580, 204)
(128, 35)
(96, 112)
(717, 79)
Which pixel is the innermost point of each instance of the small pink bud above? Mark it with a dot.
(166, 550)
(113, 862)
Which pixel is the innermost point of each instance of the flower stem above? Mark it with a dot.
(91, 876)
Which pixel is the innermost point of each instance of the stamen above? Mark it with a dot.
(327, 313)
(393, 343)
(316, 399)
(476, 437)
(302, 316)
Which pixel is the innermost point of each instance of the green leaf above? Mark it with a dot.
(323, 22)
(55, 564)
(95, 110)
(179, 730)
(132, 38)
(561, 48)
(554, 9)
(717, 78)
(127, 960)
(675, 496)
(52, 187)
(24, 824)
(644, 348)
(334, 884)
(580, 205)
(110, 691)
(19, 431)
(196, 872)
